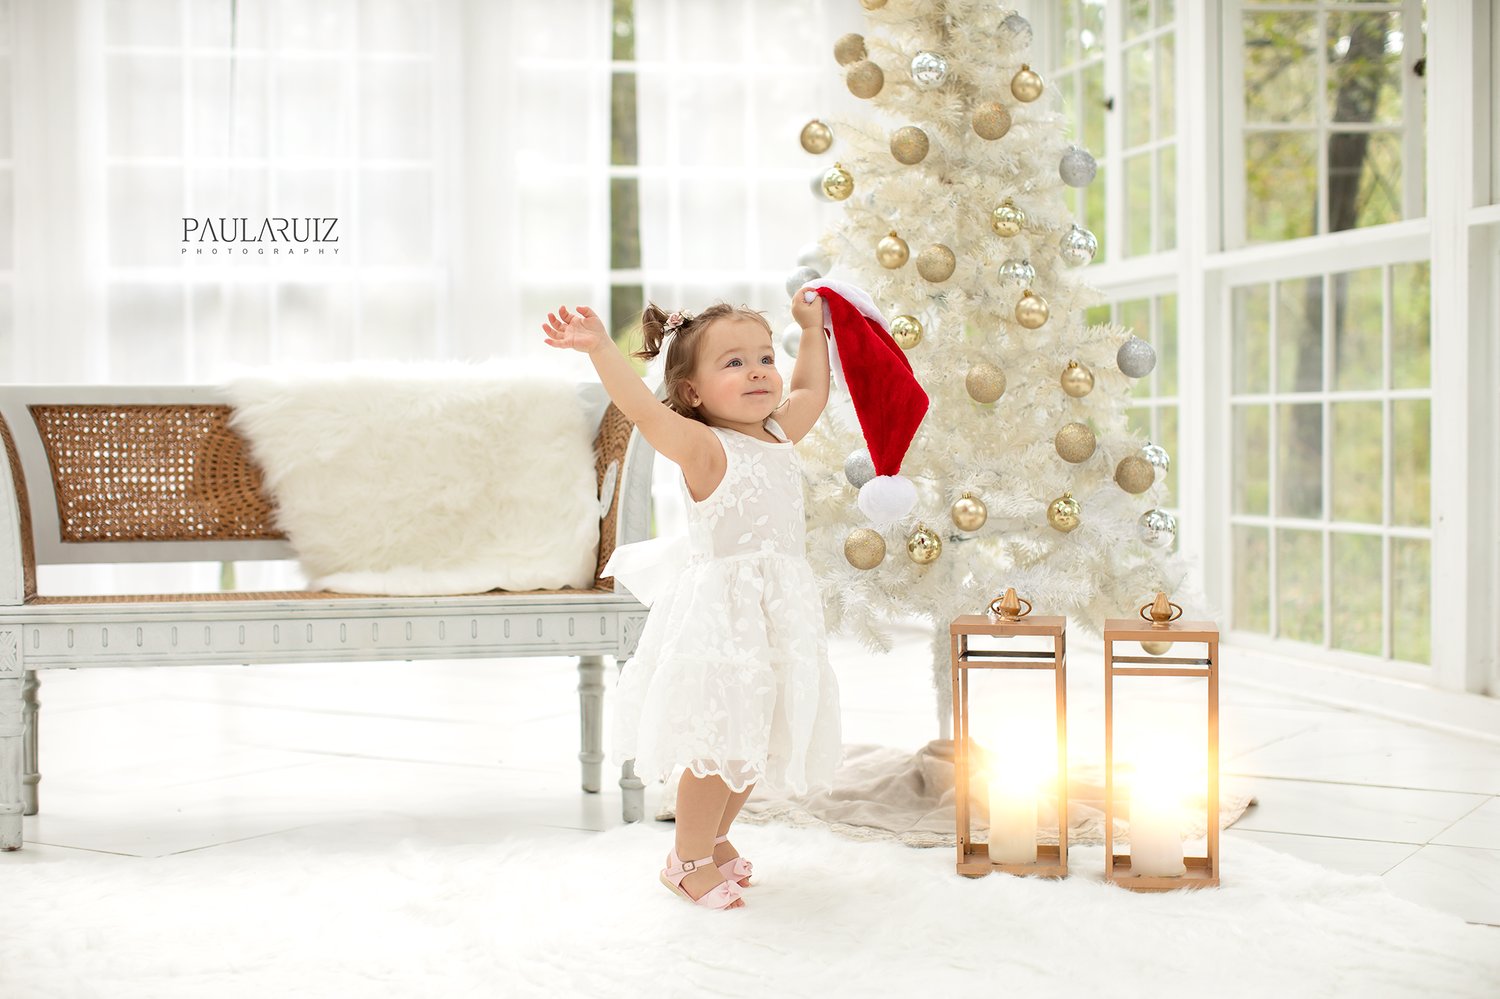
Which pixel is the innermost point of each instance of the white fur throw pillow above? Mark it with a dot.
(427, 478)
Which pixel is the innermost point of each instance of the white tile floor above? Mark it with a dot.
(148, 762)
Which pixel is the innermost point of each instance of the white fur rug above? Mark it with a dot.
(427, 477)
(393, 910)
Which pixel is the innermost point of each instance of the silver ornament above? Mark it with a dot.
(1078, 246)
(1018, 270)
(1077, 167)
(800, 277)
(814, 256)
(1157, 455)
(1017, 29)
(791, 339)
(928, 70)
(1158, 528)
(1136, 357)
(858, 468)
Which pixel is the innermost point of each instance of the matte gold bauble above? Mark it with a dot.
(865, 79)
(1077, 380)
(1007, 220)
(923, 546)
(864, 548)
(837, 182)
(985, 382)
(906, 331)
(909, 145)
(936, 263)
(816, 137)
(1032, 310)
(1157, 648)
(991, 120)
(849, 48)
(892, 251)
(1026, 84)
(1064, 513)
(1075, 442)
(1134, 474)
(969, 512)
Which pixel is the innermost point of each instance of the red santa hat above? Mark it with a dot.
(888, 400)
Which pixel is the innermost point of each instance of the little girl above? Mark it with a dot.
(731, 677)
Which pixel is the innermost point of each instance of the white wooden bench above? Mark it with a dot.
(120, 474)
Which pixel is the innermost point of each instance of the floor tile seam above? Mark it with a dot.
(1354, 783)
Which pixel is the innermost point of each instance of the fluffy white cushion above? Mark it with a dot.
(427, 478)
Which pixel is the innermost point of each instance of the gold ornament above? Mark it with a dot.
(865, 79)
(985, 382)
(991, 120)
(816, 137)
(923, 546)
(969, 512)
(1157, 648)
(838, 183)
(906, 331)
(1075, 442)
(1032, 310)
(1134, 474)
(1077, 380)
(849, 48)
(1064, 513)
(1007, 220)
(909, 145)
(872, 4)
(936, 263)
(1026, 84)
(864, 548)
(892, 251)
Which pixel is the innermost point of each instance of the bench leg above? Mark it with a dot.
(591, 718)
(632, 790)
(31, 774)
(12, 733)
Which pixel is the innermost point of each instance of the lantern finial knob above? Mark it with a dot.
(1008, 607)
(1162, 611)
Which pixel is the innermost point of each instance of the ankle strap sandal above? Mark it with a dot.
(720, 896)
(738, 870)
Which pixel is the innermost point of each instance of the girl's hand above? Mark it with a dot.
(809, 315)
(582, 331)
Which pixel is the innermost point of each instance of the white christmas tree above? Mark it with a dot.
(956, 223)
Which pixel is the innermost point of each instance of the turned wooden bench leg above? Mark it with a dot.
(632, 790)
(591, 718)
(31, 774)
(12, 733)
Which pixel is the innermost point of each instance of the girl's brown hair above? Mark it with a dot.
(682, 351)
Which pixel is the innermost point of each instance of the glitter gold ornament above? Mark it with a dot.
(909, 145)
(991, 120)
(1077, 380)
(1134, 474)
(816, 137)
(1007, 220)
(1075, 442)
(1032, 310)
(936, 263)
(969, 512)
(864, 548)
(906, 331)
(923, 546)
(849, 48)
(864, 79)
(838, 183)
(1064, 513)
(892, 251)
(985, 382)
(1026, 84)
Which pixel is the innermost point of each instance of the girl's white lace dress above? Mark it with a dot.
(731, 674)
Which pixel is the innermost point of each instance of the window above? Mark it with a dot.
(1080, 78)
(1330, 132)
(7, 195)
(1331, 460)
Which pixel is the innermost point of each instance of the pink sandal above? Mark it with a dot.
(720, 896)
(737, 870)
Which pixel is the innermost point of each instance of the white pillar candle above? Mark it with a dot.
(1155, 837)
(1012, 813)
